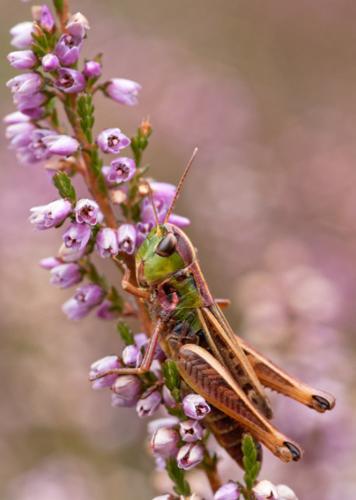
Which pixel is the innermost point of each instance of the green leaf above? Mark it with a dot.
(251, 465)
(177, 475)
(85, 110)
(172, 378)
(125, 332)
(65, 187)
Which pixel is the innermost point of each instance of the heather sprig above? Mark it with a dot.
(111, 221)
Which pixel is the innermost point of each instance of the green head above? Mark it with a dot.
(166, 250)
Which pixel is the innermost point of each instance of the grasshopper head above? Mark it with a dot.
(166, 250)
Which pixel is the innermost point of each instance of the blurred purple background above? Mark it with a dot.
(267, 93)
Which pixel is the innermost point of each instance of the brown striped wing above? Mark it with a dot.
(205, 375)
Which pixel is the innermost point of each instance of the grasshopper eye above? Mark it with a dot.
(167, 246)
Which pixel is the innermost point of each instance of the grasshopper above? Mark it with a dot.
(212, 360)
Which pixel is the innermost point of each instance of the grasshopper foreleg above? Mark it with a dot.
(146, 361)
(129, 287)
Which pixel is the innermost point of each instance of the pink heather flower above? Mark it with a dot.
(46, 19)
(159, 423)
(25, 84)
(101, 366)
(189, 456)
(106, 242)
(77, 236)
(164, 442)
(131, 356)
(66, 275)
(195, 406)
(141, 340)
(148, 404)
(62, 145)
(179, 220)
(229, 491)
(92, 69)
(123, 91)
(91, 295)
(106, 310)
(120, 170)
(30, 104)
(37, 149)
(87, 211)
(75, 310)
(78, 25)
(265, 490)
(49, 263)
(15, 117)
(112, 140)
(19, 134)
(126, 391)
(22, 35)
(70, 254)
(50, 62)
(191, 431)
(68, 49)
(70, 81)
(127, 238)
(22, 59)
(51, 215)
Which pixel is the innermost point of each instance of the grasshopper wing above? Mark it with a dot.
(227, 348)
(204, 374)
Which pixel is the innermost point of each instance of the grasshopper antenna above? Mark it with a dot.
(180, 185)
(155, 214)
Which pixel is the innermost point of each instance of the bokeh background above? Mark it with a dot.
(267, 92)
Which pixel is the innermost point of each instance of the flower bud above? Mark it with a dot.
(77, 236)
(195, 406)
(229, 491)
(66, 275)
(265, 490)
(123, 91)
(92, 69)
(148, 403)
(189, 456)
(62, 145)
(158, 423)
(22, 35)
(102, 366)
(70, 81)
(131, 356)
(141, 340)
(112, 140)
(191, 431)
(127, 238)
(22, 59)
(78, 25)
(51, 215)
(120, 170)
(50, 62)
(87, 211)
(15, 117)
(46, 19)
(106, 242)
(127, 390)
(49, 263)
(285, 493)
(25, 84)
(70, 254)
(164, 442)
(75, 310)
